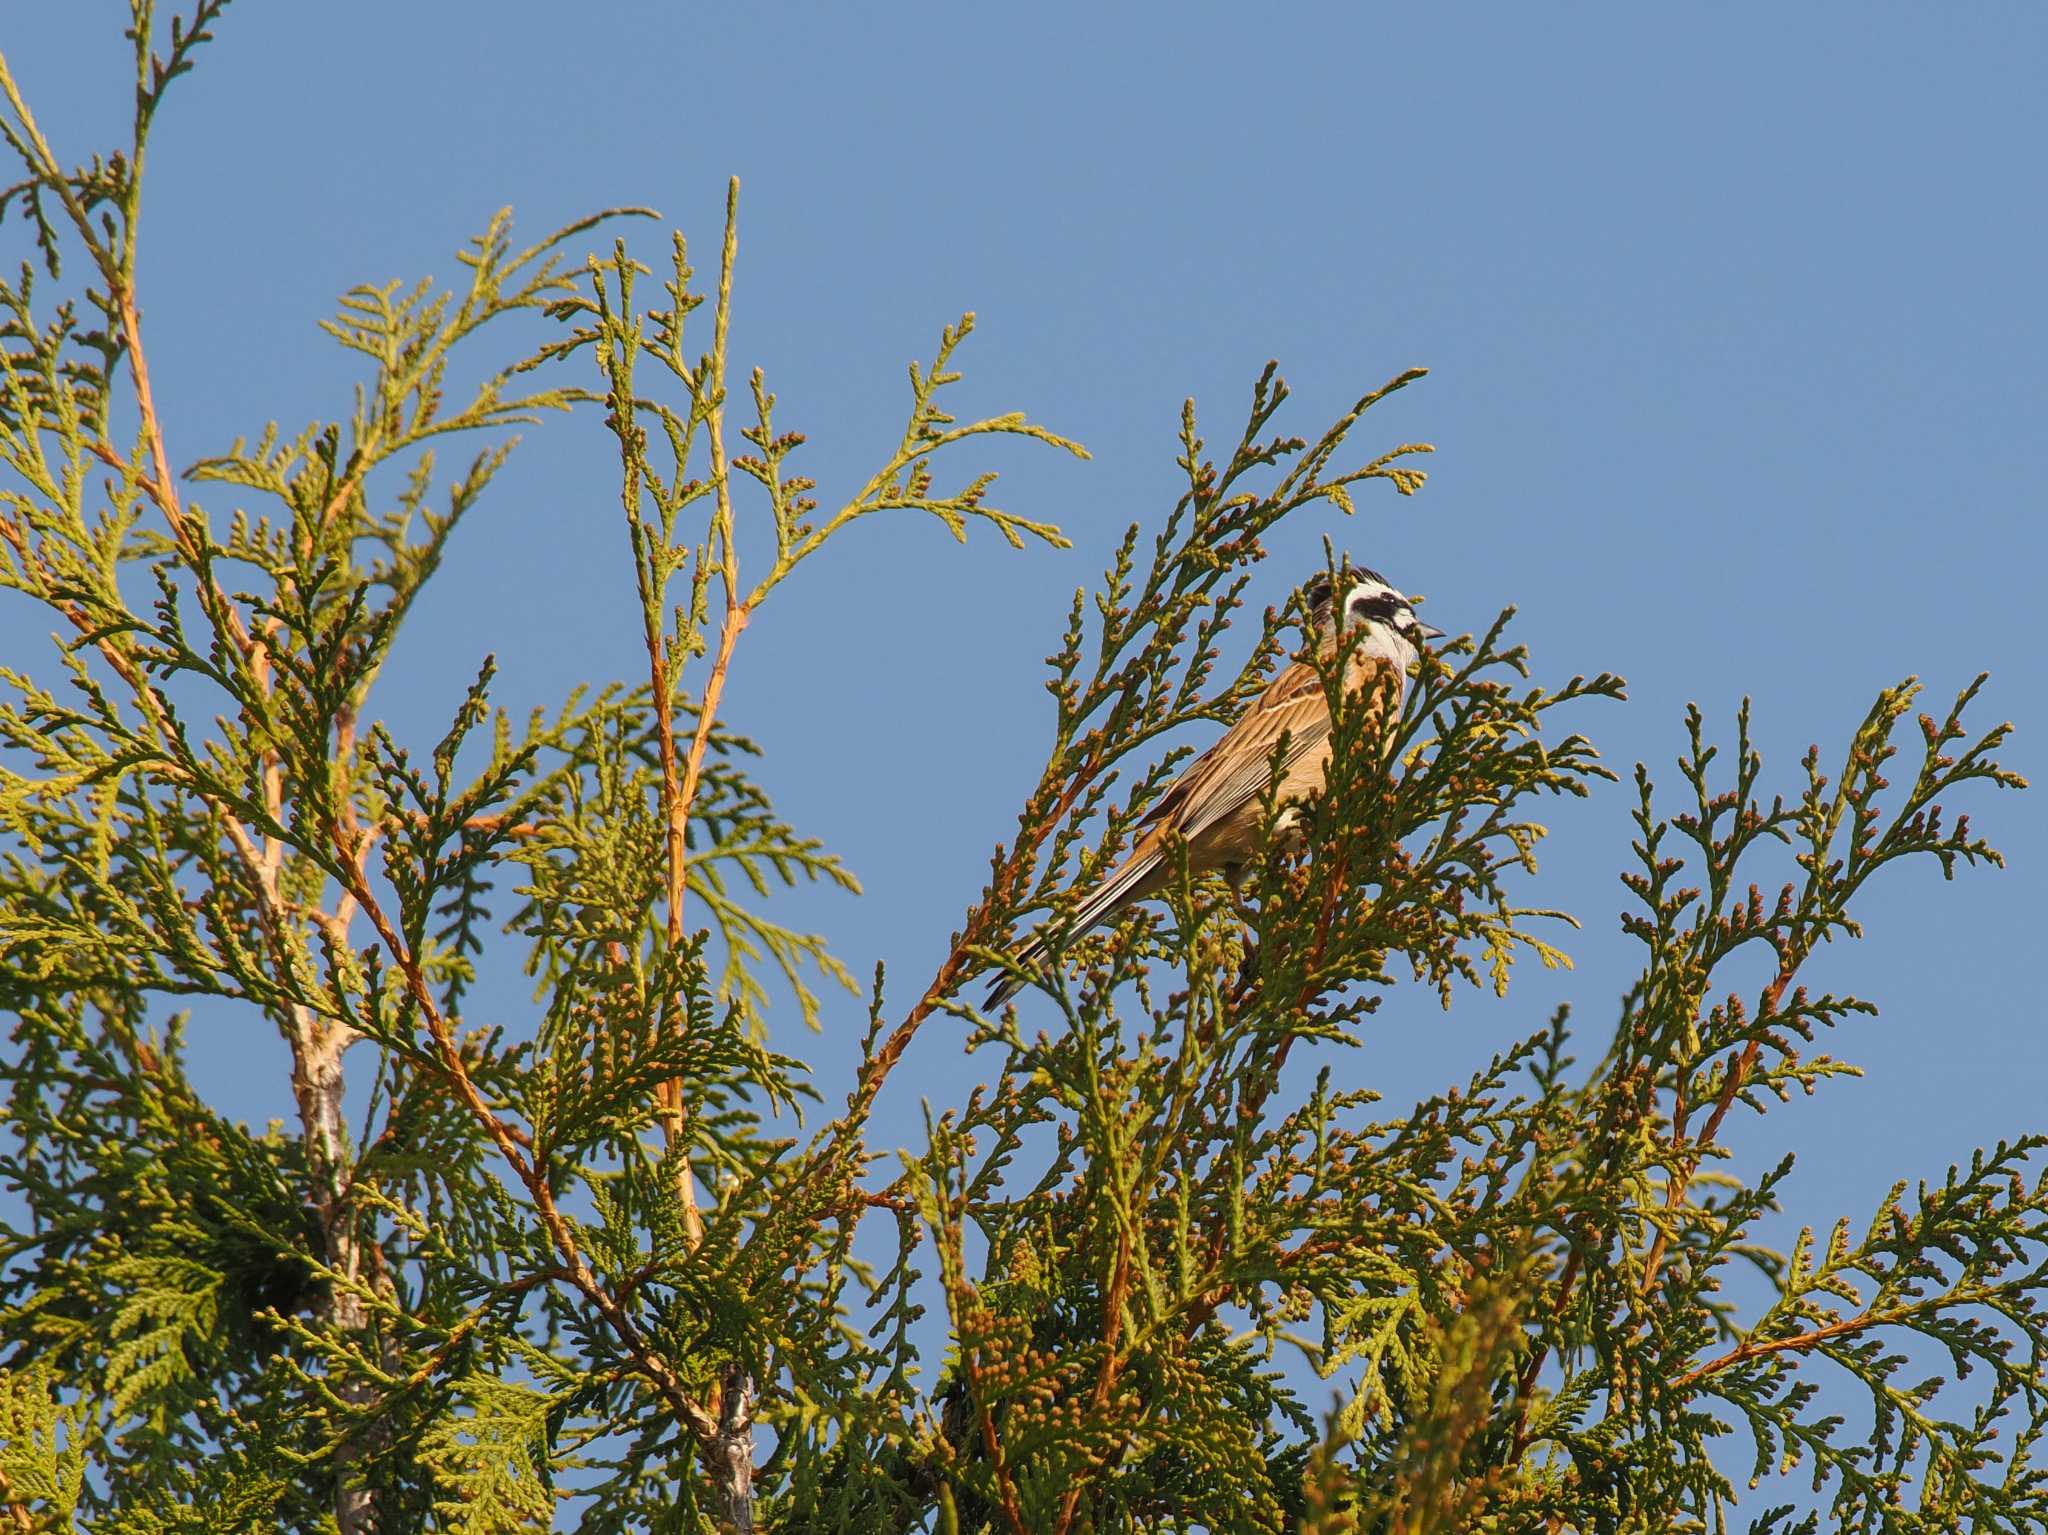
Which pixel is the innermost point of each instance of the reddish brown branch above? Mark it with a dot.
(1113, 1301)
(1674, 1195)
(1797, 1343)
(1006, 1485)
(162, 486)
(653, 1368)
(487, 822)
(679, 780)
(692, 774)
(1002, 890)
(107, 454)
(1738, 1073)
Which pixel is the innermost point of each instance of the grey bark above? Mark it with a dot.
(318, 1084)
(731, 1455)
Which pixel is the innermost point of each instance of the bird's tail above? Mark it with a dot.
(1132, 880)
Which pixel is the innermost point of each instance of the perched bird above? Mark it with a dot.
(1215, 804)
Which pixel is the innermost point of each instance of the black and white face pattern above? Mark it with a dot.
(1373, 604)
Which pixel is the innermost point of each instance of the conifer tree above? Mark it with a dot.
(614, 1266)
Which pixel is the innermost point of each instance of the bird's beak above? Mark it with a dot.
(1428, 631)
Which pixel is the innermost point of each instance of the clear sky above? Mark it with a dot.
(1735, 317)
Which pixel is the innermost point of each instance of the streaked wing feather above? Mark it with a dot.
(1235, 770)
(1217, 783)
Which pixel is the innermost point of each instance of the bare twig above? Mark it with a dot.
(1798, 1342)
(455, 1070)
(1738, 1073)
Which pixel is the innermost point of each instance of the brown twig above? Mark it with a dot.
(1113, 1299)
(652, 1367)
(468, 1324)
(108, 454)
(487, 822)
(315, 1048)
(1006, 1485)
(1586, 1238)
(1738, 1073)
(162, 487)
(680, 776)
(1674, 1194)
(1002, 890)
(1798, 1342)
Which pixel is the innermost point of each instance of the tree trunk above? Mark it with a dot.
(730, 1457)
(318, 1084)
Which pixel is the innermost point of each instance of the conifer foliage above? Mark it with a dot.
(628, 1265)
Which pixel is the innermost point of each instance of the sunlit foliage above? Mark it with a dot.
(628, 1264)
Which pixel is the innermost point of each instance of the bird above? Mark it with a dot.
(1215, 805)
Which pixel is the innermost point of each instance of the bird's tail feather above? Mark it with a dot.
(1129, 882)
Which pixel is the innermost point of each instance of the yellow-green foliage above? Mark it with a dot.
(585, 1273)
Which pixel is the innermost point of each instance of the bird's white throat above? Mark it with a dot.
(1385, 642)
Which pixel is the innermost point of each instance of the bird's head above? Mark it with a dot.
(1372, 609)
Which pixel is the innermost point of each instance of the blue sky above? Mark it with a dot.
(1735, 324)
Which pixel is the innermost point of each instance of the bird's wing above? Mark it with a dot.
(1237, 768)
(1220, 781)
(1224, 777)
